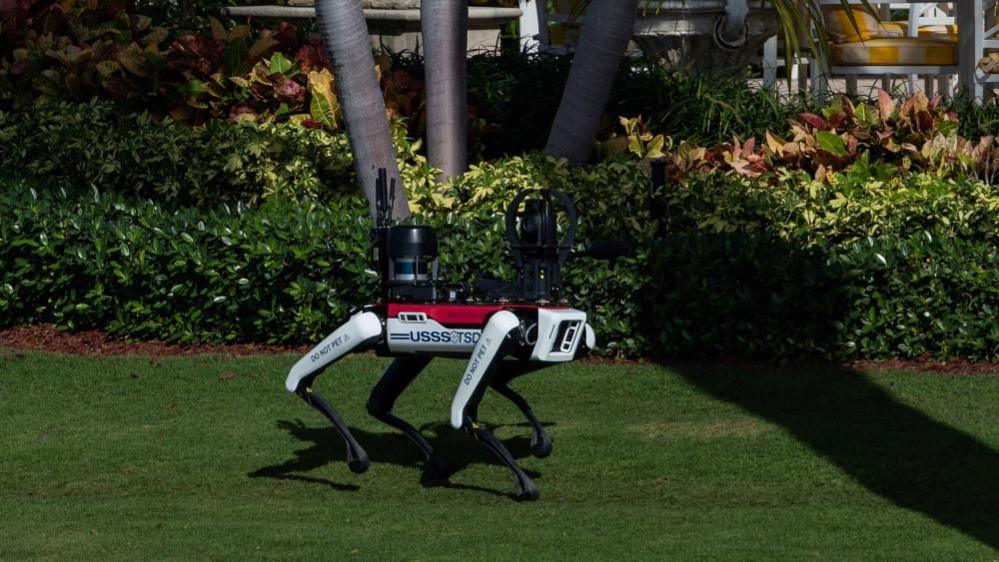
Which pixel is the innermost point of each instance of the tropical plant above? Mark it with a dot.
(445, 46)
(861, 268)
(605, 35)
(915, 134)
(243, 161)
(69, 51)
(345, 33)
(604, 39)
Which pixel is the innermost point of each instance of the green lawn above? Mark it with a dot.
(209, 458)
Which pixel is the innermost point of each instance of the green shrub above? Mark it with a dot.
(763, 279)
(844, 209)
(95, 144)
(279, 272)
(746, 295)
(977, 119)
(924, 295)
(190, 14)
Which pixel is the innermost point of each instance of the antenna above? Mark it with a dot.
(391, 199)
(384, 199)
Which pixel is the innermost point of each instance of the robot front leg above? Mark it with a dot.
(396, 379)
(357, 458)
(361, 330)
(487, 354)
(541, 443)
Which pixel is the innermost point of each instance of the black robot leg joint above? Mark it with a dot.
(393, 383)
(357, 458)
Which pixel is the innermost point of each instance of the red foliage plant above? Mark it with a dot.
(79, 49)
(916, 134)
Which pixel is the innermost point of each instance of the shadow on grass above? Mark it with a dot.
(892, 449)
(326, 447)
(746, 295)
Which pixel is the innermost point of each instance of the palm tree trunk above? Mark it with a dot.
(445, 44)
(345, 33)
(607, 27)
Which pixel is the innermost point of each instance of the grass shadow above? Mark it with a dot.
(892, 449)
(326, 447)
(755, 296)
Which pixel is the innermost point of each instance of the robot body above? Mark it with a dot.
(417, 319)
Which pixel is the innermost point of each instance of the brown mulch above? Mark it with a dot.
(929, 365)
(93, 343)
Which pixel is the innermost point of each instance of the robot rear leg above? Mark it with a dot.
(393, 383)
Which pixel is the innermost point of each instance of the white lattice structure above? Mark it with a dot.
(975, 45)
(920, 14)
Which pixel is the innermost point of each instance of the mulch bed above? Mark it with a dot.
(93, 343)
(928, 365)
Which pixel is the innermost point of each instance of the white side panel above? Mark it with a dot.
(591, 338)
(496, 330)
(360, 328)
(428, 336)
(559, 334)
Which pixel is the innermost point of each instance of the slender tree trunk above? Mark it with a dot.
(8, 19)
(607, 27)
(345, 33)
(445, 44)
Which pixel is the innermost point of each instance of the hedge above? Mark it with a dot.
(283, 271)
(739, 295)
(97, 144)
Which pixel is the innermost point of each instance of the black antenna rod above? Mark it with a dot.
(391, 199)
(383, 208)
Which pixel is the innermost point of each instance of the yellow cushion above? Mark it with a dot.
(840, 29)
(901, 29)
(939, 31)
(894, 51)
(989, 64)
(894, 29)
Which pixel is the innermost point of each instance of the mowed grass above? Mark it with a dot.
(208, 458)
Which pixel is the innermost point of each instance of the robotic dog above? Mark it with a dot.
(514, 331)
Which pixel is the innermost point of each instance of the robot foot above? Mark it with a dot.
(541, 444)
(357, 458)
(358, 466)
(527, 490)
(436, 470)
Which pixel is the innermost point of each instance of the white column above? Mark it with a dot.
(970, 46)
(915, 15)
(770, 63)
(819, 76)
(533, 28)
(851, 84)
